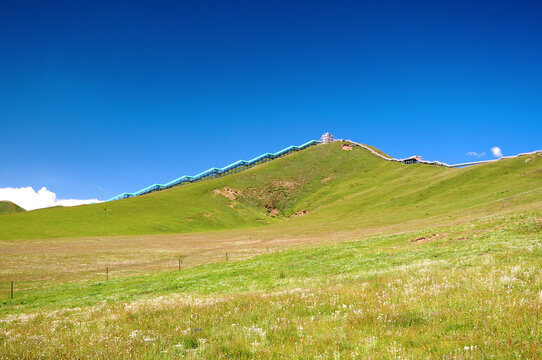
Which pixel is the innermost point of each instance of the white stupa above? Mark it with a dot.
(327, 138)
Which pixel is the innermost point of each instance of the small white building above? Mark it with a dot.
(327, 138)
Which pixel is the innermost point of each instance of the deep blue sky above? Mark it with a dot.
(124, 94)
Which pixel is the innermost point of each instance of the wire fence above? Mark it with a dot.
(112, 271)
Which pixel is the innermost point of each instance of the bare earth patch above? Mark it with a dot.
(227, 192)
(284, 184)
(272, 210)
(324, 180)
(425, 239)
(300, 213)
(460, 238)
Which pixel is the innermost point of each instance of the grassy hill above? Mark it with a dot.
(7, 207)
(330, 187)
(323, 254)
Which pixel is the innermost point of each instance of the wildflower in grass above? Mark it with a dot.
(255, 344)
(253, 330)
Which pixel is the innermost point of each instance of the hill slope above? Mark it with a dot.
(334, 188)
(7, 207)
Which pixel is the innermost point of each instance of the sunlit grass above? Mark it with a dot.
(387, 261)
(338, 189)
(467, 291)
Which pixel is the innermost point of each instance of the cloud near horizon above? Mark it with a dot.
(496, 151)
(29, 199)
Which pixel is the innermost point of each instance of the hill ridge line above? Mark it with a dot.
(417, 159)
(242, 165)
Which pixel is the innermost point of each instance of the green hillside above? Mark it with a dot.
(7, 207)
(330, 187)
(323, 254)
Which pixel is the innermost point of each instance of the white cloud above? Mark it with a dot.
(496, 151)
(29, 199)
(474, 153)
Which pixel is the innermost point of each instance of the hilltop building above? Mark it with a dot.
(327, 138)
(412, 160)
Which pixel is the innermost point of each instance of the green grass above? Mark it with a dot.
(7, 207)
(388, 261)
(468, 291)
(378, 151)
(341, 189)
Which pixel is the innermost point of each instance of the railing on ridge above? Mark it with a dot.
(242, 165)
(213, 173)
(416, 160)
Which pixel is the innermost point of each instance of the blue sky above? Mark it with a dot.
(118, 95)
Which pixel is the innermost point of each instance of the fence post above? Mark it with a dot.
(180, 261)
(12, 289)
(226, 256)
(107, 274)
